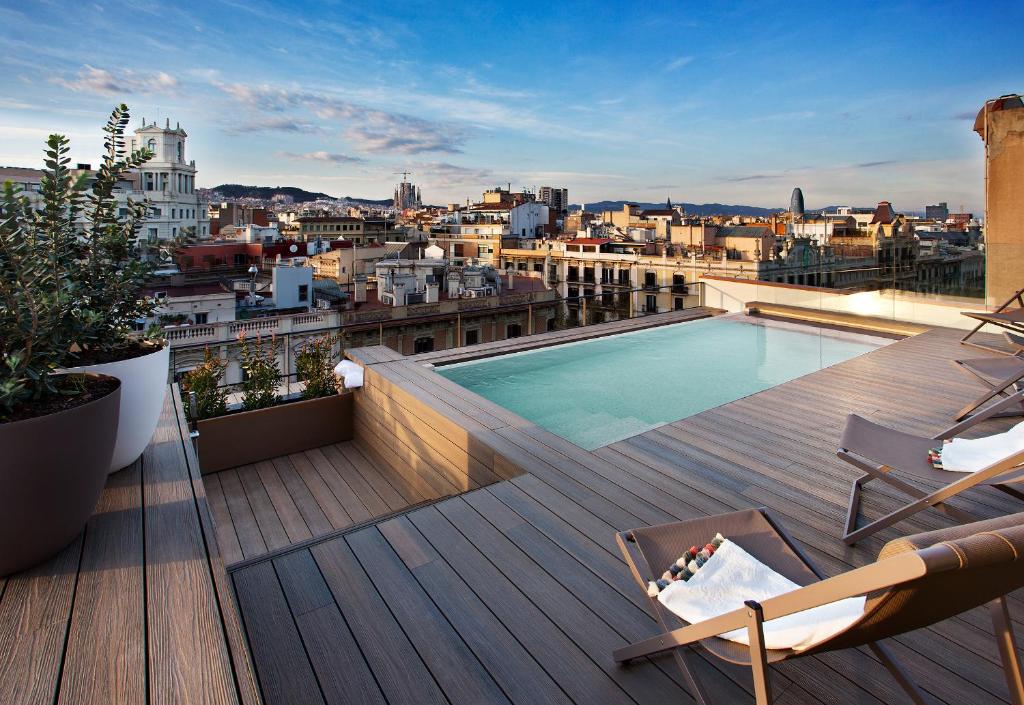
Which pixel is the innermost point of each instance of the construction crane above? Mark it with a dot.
(404, 174)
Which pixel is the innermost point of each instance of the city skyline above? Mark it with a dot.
(699, 104)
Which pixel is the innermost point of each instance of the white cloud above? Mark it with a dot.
(91, 79)
(322, 156)
(678, 63)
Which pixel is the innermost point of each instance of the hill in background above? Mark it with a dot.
(300, 195)
(695, 208)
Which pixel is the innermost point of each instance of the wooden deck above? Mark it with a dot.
(270, 505)
(515, 592)
(138, 609)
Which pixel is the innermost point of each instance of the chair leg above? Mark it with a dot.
(897, 672)
(758, 655)
(853, 508)
(1007, 649)
(684, 657)
(902, 513)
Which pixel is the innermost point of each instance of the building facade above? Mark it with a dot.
(168, 180)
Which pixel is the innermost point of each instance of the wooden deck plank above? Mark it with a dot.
(227, 536)
(566, 662)
(284, 505)
(339, 487)
(189, 660)
(325, 498)
(285, 671)
(396, 664)
(105, 658)
(516, 672)
(367, 495)
(312, 514)
(453, 665)
(263, 509)
(34, 616)
(247, 529)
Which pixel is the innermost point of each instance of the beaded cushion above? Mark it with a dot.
(685, 566)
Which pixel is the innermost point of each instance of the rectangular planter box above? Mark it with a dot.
(250, 436)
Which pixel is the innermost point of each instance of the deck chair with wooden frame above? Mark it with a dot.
(916, 581)
(879, 450)
(1002, 375)
(1010, 319)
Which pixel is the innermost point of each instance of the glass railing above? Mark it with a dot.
(427, 328)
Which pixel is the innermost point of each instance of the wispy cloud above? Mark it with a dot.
(367, 129)
(275, 124)
(678, 63)
(91, 79)
(445, 174)
(322, 156)
(968, 115)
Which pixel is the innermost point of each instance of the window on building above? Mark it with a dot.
(652, 304)
(151, 145)
(521, 266)
(624, 277)
(650, 280)
(472, 336)
(513, 330)
(678, 303)
(423, 345)
(201, 318)
(303, 292)
(181, 151)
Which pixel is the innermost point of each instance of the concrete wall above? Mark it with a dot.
(1004, 203)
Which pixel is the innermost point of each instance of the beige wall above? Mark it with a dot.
(1004, 201)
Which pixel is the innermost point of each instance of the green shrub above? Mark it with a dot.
(43, 314)
(259, 362)
(204, 381)
(314, 365)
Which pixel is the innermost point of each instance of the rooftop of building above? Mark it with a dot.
(380, 570)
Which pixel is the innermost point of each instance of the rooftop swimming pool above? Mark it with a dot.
(599, 391)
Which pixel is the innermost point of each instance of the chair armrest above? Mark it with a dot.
(880, 575)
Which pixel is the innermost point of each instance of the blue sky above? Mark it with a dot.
(734, 102)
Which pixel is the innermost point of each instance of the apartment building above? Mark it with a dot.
(557, 199)
(168, 180)
(331, 227)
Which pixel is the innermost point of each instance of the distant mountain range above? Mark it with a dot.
(695, 208)
(300, 195)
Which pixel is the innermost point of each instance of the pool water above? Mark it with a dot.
(602, 390)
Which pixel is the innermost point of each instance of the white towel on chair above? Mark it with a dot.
(973, 454)
(732, 576)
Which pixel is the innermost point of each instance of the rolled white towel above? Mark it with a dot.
(973, 454)
(351, 372)
(733, 576)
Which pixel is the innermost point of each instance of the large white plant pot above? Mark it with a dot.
(143, 388)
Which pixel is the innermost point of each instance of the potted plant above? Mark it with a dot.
(266, 427)
(114, 272)
(57, 431)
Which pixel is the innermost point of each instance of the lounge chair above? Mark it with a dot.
(879, 450)
(916, 581)
(1010, 319)
(1002, 375)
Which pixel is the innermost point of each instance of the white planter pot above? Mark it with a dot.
(143, 388)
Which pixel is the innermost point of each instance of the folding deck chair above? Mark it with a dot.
(879, 450)
(1010, 319)
(1002, 375)
(916, 581)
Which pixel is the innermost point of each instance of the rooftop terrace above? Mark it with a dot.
(511, 591)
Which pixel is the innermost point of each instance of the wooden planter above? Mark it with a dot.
(250, 436)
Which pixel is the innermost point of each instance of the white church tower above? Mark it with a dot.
(168, 180)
